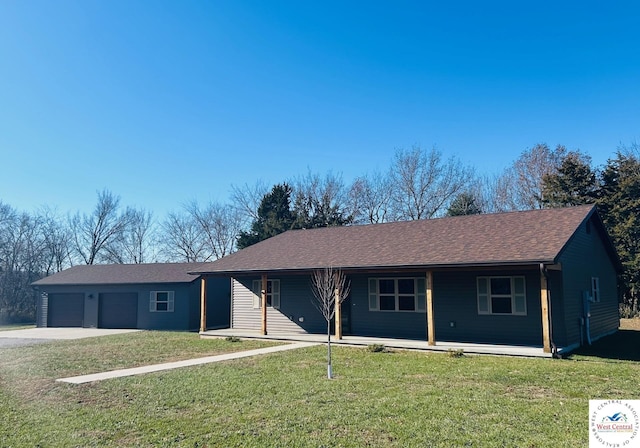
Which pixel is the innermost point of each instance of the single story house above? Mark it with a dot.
(156, 296)
(543, 278)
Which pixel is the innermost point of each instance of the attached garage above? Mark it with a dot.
(65, 310)
(118, 310)
(155, 296)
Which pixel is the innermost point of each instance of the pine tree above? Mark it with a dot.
(573, 183)
(274, 216)
(464, 204)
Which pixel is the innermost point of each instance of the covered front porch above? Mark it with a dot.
(407, 344)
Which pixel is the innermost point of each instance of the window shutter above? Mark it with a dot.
(483, 295)
(421, 294)
(255, 289)
(519, 296)
(373, 294)
(152, 301)
(275, 293)
(170, 301)
(595, 289)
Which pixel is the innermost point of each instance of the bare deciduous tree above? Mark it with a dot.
(247, 198)
(21, 261)
(57, 240)
(182, 239)
(329, 287)
(424, 183)
(320, 201)
(220, 225)
(520, 186)
(92, 233)
(370, 199)
(134, 244)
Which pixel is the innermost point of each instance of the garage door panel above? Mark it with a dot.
(118, 310)
(65, 310)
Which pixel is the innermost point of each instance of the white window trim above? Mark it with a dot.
(595, 289)
(419, 296)
(153, 301)
(256, 289)
(514, 296)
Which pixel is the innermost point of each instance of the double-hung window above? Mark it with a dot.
(161, 301)
(397, 294)
(502, 295)
(273, 293)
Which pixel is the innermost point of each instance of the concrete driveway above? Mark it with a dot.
(30, 336)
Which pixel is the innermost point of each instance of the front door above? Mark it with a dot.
(346, 316)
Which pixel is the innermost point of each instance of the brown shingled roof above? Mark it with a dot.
(536, 236)
(104, 274)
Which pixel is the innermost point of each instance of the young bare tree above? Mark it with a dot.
(424, 183)
(330, 287)
(92, 233)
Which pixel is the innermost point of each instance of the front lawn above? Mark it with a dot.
(402, 398)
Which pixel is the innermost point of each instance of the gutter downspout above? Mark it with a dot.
(554, 348)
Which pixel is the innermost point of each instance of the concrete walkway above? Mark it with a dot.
(175, 365)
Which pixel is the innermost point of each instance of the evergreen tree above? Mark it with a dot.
(464, 204)
(312, 212)
(619, 202)
(274, 216)
(573, 182)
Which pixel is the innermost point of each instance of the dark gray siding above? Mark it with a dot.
(176, 320)
(218, 303)
(456, 317)
(583, 258)
(296, 314)
(455, 300)
(409, 325)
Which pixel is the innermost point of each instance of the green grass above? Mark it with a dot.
(397, 398)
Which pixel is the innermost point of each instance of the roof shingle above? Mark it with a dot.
(491, 239)
(106, 274)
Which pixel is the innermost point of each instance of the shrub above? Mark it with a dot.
(628, 311)
(455, 353)
(376, 348)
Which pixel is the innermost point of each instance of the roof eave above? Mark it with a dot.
(381, 268)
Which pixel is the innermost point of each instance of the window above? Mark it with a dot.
(161, 302)
(595, 289)
(273, 293)
(397, 294)
(502, 295)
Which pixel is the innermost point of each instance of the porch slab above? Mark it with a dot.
(408, 344)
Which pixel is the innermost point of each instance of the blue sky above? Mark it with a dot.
(163, 102)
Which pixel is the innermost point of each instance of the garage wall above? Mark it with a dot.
(145, 319)
(94, 310)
